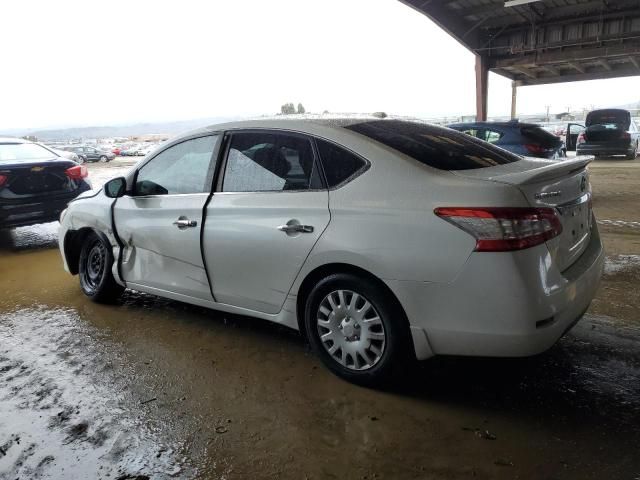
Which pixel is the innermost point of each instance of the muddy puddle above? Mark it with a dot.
(150, 388)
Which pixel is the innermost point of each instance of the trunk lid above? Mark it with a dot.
(607, 125)
(562, 185)
(34, 179)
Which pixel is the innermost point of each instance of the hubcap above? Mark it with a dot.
(351, 330)
(95, 263)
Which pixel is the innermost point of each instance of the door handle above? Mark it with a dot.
(184, 222)
(296, 228)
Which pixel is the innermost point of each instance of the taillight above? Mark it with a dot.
(3, 180)
(498, 229)
(625, 136)
(535, 148)
(582, 138)
(78, 172)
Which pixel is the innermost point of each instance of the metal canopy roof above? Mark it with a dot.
(545, 41)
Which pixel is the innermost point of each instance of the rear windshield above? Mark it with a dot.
(24, 152)
(438, 147)
(541, 136)
(610, 118)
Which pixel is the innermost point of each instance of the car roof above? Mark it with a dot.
(510, 124)
(13, 140)
(327, 125)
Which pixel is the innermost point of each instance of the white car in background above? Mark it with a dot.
(381, 240)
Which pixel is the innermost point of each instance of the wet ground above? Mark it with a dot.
(151, 388)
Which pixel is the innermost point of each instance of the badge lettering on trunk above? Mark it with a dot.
(37, 169)
(543, 195)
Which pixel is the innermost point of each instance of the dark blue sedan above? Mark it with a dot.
(35, 183)
(527, 139)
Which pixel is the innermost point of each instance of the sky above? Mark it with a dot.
(113, 62)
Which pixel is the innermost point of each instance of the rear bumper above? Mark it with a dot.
(502, 304)
(603, 150)
(20, 213)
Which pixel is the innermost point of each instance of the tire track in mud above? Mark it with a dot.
(65, 406)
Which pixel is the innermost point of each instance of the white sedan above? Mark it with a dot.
(381, 240)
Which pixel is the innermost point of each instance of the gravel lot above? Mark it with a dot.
(152, 388)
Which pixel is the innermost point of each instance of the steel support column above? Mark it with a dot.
(514, 97)
(482, 91)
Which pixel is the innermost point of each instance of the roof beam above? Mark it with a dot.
(577, 67)
(605, 64)
(627, 71)
(551, 69)
(567, 56)
(525, 72)
(571, 13)
(453, 24)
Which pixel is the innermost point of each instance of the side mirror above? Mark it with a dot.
(115, 188)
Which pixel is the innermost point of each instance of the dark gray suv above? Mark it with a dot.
(527, 139)
(90, 154)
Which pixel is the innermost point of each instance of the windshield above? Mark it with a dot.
(24, 152)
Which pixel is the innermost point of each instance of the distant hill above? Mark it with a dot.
(171, 128)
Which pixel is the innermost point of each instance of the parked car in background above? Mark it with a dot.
(66, 154)
(91, 154)
(35, 183)
(525, 139)
(382, 240)
(146, 149)
(608, 133)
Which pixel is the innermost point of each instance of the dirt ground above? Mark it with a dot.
(151, 388)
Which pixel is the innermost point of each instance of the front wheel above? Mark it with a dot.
(103, 159)
(96, 261)
(357, 330)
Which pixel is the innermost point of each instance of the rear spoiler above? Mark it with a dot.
(547, 172)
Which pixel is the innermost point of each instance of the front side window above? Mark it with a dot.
(268, 162)
(181, 169)
(339, 164)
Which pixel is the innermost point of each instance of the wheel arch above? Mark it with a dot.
(73, 241)
(322, 271)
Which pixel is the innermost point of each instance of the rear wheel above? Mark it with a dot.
(96, 261)
(357, 331)
(633, 155)
(103, 159)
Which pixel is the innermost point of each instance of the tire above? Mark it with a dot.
(632, 156)
(82, 160)
(366, 351)
(94, 269)
(103, 159)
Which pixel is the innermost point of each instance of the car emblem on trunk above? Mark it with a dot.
(541, 195)
(583, 184)
(37, 169)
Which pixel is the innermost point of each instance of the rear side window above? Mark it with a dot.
(437, 147)
(267, 162)
(339, 164)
